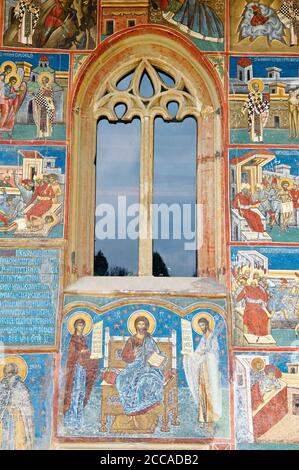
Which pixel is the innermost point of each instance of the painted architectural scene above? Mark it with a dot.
(264, 25)
(143, 370)
(266, 389)
(33, 96)
(117, 15)
(264, 195)
(51, 24)
(25, 401)
(265, 292)
(32, 191)
(264, 94)
(201, 21)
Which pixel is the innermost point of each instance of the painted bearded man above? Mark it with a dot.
(140, 385)
(16, 412)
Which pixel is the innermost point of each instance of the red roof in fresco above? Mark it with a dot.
(247, 155)
(30, 154)
(44, 58)
(244, 62)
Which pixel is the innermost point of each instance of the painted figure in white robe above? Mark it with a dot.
(44, 106)
(257, 106)
(16, 411)
(27, 12)
(203, 375)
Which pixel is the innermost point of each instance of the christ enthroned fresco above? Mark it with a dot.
(129, 373)
(51, 24)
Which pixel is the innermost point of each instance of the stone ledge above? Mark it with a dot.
(147, 284)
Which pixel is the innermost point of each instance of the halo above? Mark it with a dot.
(199, 316)
(20, 363)
(257, 82)
(9, 62)
(141, 313)
(45, 74)
(80, 316)
(255, 361)
(285, 180)
(16, 76)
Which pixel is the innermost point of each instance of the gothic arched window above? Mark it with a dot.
(150, 82)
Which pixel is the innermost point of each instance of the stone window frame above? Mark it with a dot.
(96, 96)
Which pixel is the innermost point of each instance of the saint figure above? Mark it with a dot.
(257, 106)
(140, 384)
(27, 12)
(16, 411)
(81, 373)
(203, 375)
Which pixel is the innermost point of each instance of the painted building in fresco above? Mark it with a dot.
(154, 339)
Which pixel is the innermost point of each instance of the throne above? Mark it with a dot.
(110, 403)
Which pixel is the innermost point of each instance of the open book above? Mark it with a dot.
(260, 340)
(156, 360)
(187, 339)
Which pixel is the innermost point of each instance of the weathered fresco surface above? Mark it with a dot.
(219, 370)
(160, 403)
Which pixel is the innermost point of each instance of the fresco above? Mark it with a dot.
(264, 25)
(33, 96)
(264, 195)
(51, 24)
(202, 21)
(28, 174)
(29, 293)
(266, 399)
(26, 387)
(132, 371)
(155, 369)
(265, 293)
(263, 94)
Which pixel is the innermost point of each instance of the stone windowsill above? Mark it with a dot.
(147, 284)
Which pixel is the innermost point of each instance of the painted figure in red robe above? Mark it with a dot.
(258, 18)
(81, 373)
(244, 203)
(42, 201)
(255, 317)
(13, 98)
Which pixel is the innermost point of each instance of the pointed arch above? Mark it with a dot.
(153, 51)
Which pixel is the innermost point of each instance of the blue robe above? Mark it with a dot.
(140, 386)
(200, 19)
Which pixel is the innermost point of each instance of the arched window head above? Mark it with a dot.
(156, 77)
(146, 88)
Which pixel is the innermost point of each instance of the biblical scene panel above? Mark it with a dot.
(264, 100)
(141, 370)
(264, 195)
(32, 190)
(266, 399)
(264, 26)
(51, 24)
(265, 290)
(33, 96)
(26, 389)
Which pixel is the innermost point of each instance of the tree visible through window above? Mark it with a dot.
(146, 174)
